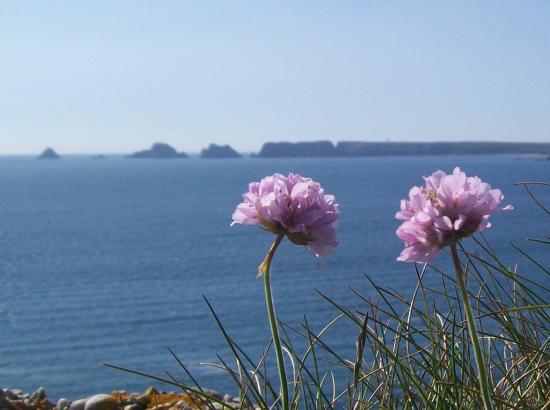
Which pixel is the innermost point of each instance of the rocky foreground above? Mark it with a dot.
(151, 399)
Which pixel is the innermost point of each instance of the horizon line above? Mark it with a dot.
(275, 142)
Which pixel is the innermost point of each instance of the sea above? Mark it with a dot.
(109, 260)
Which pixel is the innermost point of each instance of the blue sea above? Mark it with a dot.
(106, 261)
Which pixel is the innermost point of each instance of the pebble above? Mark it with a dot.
(131, 405)
(214, 394)
(219, 406)
(40, 393)
(78, 404)
(142, 399)
(20, 404)
(63, 404)
(10, 395)
(101, 402)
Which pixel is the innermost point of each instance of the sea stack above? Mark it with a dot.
(48, 153)
(219, 151)
(159, 150)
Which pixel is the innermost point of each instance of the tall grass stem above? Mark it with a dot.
(264, 270)
(482, 376)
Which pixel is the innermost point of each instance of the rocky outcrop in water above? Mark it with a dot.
(151, 399)
(219, 151)
(15, 399)
(48, 153)
(159, 150)
(298, 149)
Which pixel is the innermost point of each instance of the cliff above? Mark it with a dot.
(298, 149)
(367, 149)
(362, 149)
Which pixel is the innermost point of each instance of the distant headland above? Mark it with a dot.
(159, 150)
(368, 149)
(359, 149)
(48, 153)
(219, 151)
(298, 149)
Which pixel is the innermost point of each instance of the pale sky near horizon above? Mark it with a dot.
(116, 76)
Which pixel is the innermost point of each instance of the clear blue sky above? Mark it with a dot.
(115, 76)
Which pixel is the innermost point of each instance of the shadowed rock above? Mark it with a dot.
(159, 151)
(219, 151)
(48, 153)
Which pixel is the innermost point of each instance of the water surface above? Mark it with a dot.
(107, 260)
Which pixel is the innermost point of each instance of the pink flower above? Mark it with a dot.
(447, 208)
(293, 206)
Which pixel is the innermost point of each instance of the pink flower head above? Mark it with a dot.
(447, 208)
(294, 206)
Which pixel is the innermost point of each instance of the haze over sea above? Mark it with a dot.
(107, 260)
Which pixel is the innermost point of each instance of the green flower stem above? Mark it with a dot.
(482, 376)
(263, 270)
